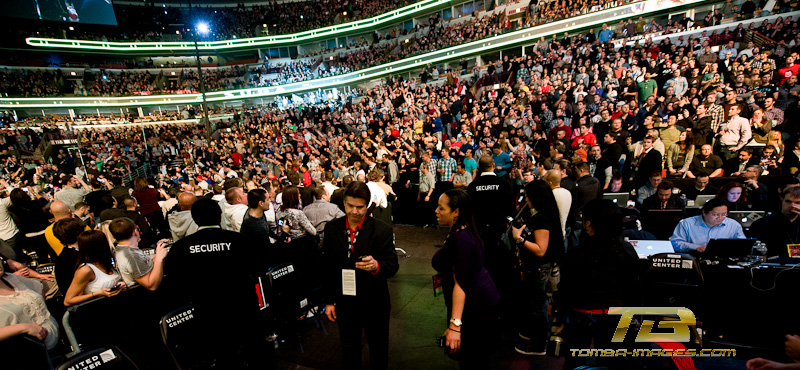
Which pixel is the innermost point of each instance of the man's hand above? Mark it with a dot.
(23, 272)
(330, 311)
(48, 277)
(793, 346)
(161, 250)
(517, 232)
(367, 264)
(701, 249)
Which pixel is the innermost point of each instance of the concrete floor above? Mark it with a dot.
(418, 318)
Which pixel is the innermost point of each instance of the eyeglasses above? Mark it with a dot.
(718, 215)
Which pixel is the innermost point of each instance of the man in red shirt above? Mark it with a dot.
(790, 70)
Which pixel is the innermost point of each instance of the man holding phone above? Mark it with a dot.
(360, 258)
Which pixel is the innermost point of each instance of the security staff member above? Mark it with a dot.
(360, 256)
(494, 202)
(211, 268)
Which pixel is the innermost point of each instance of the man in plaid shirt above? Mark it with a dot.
(428, 161)
(716, 112)
(446, 167)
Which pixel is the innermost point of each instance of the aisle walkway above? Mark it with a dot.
(418, 318)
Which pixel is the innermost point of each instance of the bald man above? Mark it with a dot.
(181, 223)
(563, 196)
(60, 211)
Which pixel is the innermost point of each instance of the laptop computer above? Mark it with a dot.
(620, 199)
(647, 248)
(746, 218)
(728, 248)
(701, 200)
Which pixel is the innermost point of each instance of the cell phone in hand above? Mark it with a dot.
(115, 288)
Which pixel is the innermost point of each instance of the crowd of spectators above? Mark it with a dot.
(148, 22)
(580, 113)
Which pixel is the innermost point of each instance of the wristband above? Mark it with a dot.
(457, 331)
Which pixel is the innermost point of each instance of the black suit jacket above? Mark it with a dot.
(652, 202)
(375, 239)
(732, 165)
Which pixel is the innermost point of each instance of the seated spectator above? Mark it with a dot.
(23, 311)
(67, 231)
(736, 166)
(734, 197)
(135, 266)
(180, 223)
(780, 229)
(95, 274)
(757, 192)
(701, 187)
(47, 280)
(769, 161)
(649, 189)
(663, 199)
(791, 160)
(693, 233)
(706, 163)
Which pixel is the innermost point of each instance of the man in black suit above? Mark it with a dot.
(360, 256)
(663, 198)
(736, 166)
(646, 162)
(224, 301)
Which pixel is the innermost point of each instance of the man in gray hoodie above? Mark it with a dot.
(181, 223)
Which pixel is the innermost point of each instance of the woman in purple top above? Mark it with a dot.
(460, 262)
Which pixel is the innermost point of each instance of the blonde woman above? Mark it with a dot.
(774, 139)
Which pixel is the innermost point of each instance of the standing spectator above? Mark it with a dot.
(181, 223)
(502, 161)
(706, 163)
(427, 184)
(321, 211)
(255, 226)
(735, 134)
(67, 231)
(148, 197)
(73, 192)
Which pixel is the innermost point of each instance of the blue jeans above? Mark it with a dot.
(535, 322)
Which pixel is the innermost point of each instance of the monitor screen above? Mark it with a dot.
(71, 11)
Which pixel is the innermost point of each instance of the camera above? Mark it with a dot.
(441, 341)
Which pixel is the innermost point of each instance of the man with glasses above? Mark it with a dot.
(693, 233)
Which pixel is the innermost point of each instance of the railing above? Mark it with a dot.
(144, 170)
(758, 39)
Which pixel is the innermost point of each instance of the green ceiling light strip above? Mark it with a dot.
(232, 44)
(453, 53)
